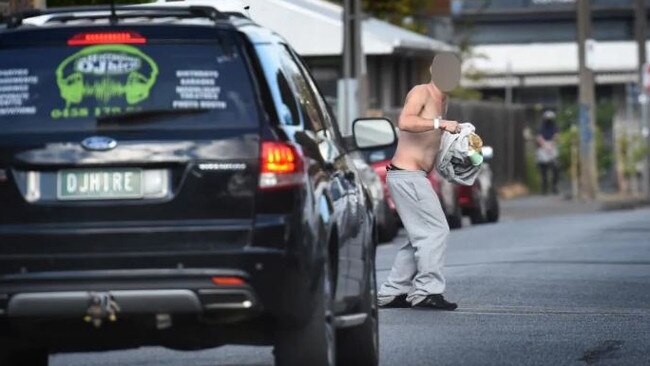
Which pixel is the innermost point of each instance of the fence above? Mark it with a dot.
(501, 127)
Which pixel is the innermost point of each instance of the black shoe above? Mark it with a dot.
(399, 302)
(435, 302)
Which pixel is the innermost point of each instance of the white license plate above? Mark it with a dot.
(99, 184)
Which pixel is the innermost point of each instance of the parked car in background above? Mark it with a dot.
(173, 177)
(448, 195)
(480, 201)
(387, 223)
(446, 191)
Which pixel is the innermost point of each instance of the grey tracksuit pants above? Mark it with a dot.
(417, 270)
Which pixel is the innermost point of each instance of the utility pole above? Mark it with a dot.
(352, 89)
(588, 168)
(640, 25)
(509, 83)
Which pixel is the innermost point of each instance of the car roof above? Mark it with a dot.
(238, 12)
(152, 14)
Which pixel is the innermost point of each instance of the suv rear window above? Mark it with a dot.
(67, 88)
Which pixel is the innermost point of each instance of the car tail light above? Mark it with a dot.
(83, 39)
(228, 281)
(281, 166)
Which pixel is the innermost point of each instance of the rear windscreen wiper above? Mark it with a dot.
(145, 116)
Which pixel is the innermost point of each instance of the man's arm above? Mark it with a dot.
(410, 120)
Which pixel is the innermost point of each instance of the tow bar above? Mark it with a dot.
(101, 306)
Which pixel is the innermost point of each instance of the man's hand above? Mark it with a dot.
(450, 126)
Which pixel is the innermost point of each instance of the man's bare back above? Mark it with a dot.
(419, 141)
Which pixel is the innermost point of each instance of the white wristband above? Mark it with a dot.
(436, 123)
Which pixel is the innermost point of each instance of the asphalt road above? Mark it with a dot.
(562, 290)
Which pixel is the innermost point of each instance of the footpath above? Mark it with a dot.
(530, 207)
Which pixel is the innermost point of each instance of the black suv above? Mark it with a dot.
(172, 176)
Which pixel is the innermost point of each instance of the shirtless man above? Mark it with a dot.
(416, 278)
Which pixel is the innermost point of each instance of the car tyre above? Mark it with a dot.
(315, 342)
(478, 214)
(455, 219)
(359, 345)
(31, 357)
(492, 212)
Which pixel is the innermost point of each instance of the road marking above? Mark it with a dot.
(549, 310)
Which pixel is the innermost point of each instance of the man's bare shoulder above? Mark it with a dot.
(418, 92)
(426, 91)
(419, 89)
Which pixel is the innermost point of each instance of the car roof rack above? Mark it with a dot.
(117, 12)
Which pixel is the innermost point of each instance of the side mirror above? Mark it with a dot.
(372, 133)
(487, 152)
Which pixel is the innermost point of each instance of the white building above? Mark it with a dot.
(396, 58)
(530, 46)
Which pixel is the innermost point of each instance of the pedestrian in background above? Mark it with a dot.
(547, 152)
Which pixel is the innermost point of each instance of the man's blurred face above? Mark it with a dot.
(445, 71)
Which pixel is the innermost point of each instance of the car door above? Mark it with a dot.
(299, 119)
(357, 224)
(344, 181)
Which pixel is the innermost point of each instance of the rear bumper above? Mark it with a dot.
(135, 292)
(178, 308)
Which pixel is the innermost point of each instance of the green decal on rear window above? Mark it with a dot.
(108, 75)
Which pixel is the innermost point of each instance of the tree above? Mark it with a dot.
(403, 13)
(410, 14)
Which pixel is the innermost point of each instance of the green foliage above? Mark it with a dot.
(567, 117)
(404, 13)
(567, 139)
(399, 12)
(605, 114)
(631, 151)
(62, 3)
(407, 14)
(604, 155)
(567, 124)
(466, 94)
(533, 177)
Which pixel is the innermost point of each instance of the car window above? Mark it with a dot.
(329, 122)
(308, 106)
(67, 88)
(289, 109)
(282, 93)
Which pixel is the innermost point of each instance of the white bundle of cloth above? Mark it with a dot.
(452, 162)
